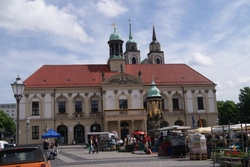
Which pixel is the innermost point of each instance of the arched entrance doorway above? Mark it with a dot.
(179, 122)
(164, 124)
(124, 129)
(79, 135)
(63, 130)
(202, 123)
(95, 128)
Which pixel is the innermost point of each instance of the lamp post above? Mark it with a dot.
(27, 129)
(17, 88)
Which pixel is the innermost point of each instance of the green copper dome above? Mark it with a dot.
(115, 36)
(153, 91)
(131, 41)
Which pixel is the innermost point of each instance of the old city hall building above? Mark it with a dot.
(118, 96)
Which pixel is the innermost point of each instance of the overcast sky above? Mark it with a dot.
(211, 36)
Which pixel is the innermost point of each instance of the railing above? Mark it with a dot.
(116, 112)
(175, 112)
(78, 115)
(125, 112)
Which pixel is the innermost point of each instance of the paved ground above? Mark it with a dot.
(78, 156)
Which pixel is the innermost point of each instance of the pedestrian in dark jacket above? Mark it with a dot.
(45, 145)
(96, 144)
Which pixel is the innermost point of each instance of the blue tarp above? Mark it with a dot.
(51, 134)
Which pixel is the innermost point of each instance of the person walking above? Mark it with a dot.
(45, 145)
(56, 146)
(91, 144)
(96, 145)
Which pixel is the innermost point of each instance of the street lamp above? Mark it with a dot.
(27, 129)
(17, 88)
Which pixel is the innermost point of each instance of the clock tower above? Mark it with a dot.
(155, 55)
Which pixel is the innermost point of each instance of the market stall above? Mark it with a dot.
(174, 141)
(235, 148)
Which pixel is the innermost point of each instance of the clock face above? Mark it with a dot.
(156, 47)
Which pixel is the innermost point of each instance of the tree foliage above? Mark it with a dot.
(228, 112)
(244, 104)
(7, 124)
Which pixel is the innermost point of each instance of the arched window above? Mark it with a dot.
(164, 124)
(179, 122)
(158, 61)
(95, 128)
(134, 60)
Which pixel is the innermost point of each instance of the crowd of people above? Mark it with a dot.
(141, 142)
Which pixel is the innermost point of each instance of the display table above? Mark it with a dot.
(227, 160)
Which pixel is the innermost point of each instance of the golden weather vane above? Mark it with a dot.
(113, 24)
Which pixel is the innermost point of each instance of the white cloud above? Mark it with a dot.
(245, 80)
(199, 59)
(37, 16)
(110, 8)
(230, 83)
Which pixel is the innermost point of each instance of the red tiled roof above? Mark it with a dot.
(49, 76)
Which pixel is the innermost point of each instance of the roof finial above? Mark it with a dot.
(153, 82)
(113, 24)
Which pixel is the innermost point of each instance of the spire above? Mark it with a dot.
(153, 82)
(130, 32)
(154, 35)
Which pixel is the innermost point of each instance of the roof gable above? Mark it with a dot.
(122, 79)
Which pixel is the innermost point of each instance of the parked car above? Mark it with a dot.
(25, 156)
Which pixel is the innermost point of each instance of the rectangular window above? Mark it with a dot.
(35, 108)
(94, 106)
(35, 132)
(175, 104)
(162, 104)
(78, 106)
(145, 104)
(123, 104)
(200, 103)
(62, 106)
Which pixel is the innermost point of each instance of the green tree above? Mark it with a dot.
(244, 105)
(7, 124)
(228, 111)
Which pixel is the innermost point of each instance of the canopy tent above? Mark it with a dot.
(202, 130)
(175, 127)
(138, 132)
(51, 134)
(220, 128)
